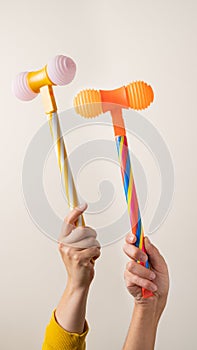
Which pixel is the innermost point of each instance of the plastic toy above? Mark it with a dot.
(91, 103)
(27, 85)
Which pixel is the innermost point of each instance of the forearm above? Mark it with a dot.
(71, 310)
(143, 327)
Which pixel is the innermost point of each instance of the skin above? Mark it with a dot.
(147, 312)
(79, 263)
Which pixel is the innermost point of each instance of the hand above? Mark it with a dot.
(79, 250)
(155, 279)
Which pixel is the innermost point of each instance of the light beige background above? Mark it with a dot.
(113, 42)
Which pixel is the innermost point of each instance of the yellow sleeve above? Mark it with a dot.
(56, 338)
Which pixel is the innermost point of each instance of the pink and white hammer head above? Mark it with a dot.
(59, 71)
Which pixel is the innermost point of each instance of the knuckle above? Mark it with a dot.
(126, 275)
(130, 279)
(60, 247)
(76, 257)
(69, 252)
(128, 266)
(136, 254)
(148, 285)
(139, 255)
(132, 266)
(127, 281)
(132, 251)
(136, 280)
(97, 253)
(125, 247)
(97, 250)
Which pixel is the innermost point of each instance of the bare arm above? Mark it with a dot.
(147, 312)
(143, 327)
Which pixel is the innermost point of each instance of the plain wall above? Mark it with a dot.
(113, 42)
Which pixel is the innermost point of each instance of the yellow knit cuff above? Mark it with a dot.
(58, 338)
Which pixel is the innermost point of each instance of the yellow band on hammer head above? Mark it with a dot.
(38, 79)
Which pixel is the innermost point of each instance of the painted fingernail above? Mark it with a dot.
(82, 206)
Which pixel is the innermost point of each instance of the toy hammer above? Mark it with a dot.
(26, 86)
(91, 103)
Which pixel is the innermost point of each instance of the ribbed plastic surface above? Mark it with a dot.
(139, 94)
(88, 104)
(61, 70)
(21, 89)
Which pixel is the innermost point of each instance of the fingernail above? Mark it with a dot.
(154, 288)
(143, 258)
(131, 237)
(82, 206)
(152, 275)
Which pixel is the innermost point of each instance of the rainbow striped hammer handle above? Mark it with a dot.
(131, 198)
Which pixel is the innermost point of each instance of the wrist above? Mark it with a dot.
(151, 308)
(74, 288)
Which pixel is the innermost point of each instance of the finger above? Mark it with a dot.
(80, 233)
(83, 244)
(90, 253)
(156, 259)
(81, 237)
(134, 280)
(72, 217)
(134, 252)
(66, 230)
(130, 238)
(139, 270)
(67, 251)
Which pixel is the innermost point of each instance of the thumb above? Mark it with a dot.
(155, 257)
(69, 221)
(72, 217)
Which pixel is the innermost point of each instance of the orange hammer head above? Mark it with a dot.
(90, 103)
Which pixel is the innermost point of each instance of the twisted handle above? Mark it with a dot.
(129, 185)
(64, 166)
